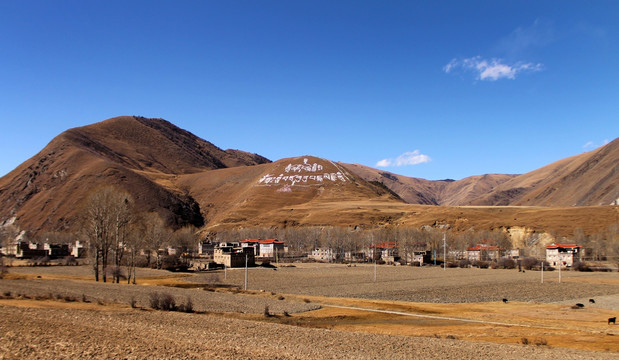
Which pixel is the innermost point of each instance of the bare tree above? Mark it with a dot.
(106, 217)
(155, 236)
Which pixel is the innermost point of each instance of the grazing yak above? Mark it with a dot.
(612, 320)
(592, 301)
(505, 301)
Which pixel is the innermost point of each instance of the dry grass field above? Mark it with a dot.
(316, 311)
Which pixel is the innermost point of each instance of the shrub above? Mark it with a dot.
(280, 297)
(524, 341)
(84, 299)
(452, 265)
(266, 311)
(133, 302)
(154, 301)
(68, 260)
(540, 341)
(3, 271)
(580, 266)
(506, 263)
(187, 306)
(164, 302)
(529, 263)
(464, 263)
(481, 264)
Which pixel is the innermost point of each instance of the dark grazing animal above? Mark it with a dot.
(580, 305)
(592, 301)
(505, 301)
(612, 320)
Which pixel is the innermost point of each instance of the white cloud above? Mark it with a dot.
(408, 158)
(526, 38)
(593, 145)
(493, 69)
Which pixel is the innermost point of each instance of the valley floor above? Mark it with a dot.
(316, 311)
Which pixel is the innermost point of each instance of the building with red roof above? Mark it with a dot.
(265, 248)
(563, 254)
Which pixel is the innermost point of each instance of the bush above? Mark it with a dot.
(529, 263)
(68, 260)
(3, 271)
(481, 264)
(451, 265)
(187, 306)
(506, 263)
(580, 266)
(162, 302)
(266, 311)
(464, 263)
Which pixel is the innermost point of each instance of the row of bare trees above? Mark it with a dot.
(117, 233)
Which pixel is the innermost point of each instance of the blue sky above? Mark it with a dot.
(432, 89)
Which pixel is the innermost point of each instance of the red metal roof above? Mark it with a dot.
(259, 241)
(564, 246)
(480, 247)
(386, 245)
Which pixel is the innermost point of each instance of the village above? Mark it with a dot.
(210, 254)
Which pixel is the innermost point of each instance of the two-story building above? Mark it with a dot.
(483, 252)
(563, 255)
(268, 248)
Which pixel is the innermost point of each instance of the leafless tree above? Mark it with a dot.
(155, 236)
(106, 217)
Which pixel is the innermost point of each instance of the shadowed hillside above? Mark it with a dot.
(188, 180)
(137, 154)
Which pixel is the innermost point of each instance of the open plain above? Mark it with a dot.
(314, 311)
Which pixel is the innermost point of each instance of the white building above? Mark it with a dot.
(563, 254)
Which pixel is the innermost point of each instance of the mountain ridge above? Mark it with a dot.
(190, 181)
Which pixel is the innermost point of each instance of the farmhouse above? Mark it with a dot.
(233, 255)
(563, 254)
(269, 248)
(322, 254)
(387, 251)
(483, 252)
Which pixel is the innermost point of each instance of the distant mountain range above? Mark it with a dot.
(188, 180)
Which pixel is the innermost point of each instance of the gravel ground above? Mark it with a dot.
(428, 284)
(122, 293)
(33, 333)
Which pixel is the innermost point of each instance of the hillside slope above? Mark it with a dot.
(137, 154)
(432, 192)
(586, 179)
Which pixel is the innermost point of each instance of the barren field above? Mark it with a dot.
(316, 311)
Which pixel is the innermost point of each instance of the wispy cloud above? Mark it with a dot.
(525, 38)
(408, 158)
(491, 70)
(593, 145)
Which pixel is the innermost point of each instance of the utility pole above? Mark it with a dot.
(559, 272)
(444, 253)
(542, 271)
(245, 271)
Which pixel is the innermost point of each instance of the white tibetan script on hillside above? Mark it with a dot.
(304, 173)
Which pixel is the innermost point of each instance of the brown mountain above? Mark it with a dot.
(188, 180)
(433, 192)
(590, 178)
(288, 192)
(138, 154)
